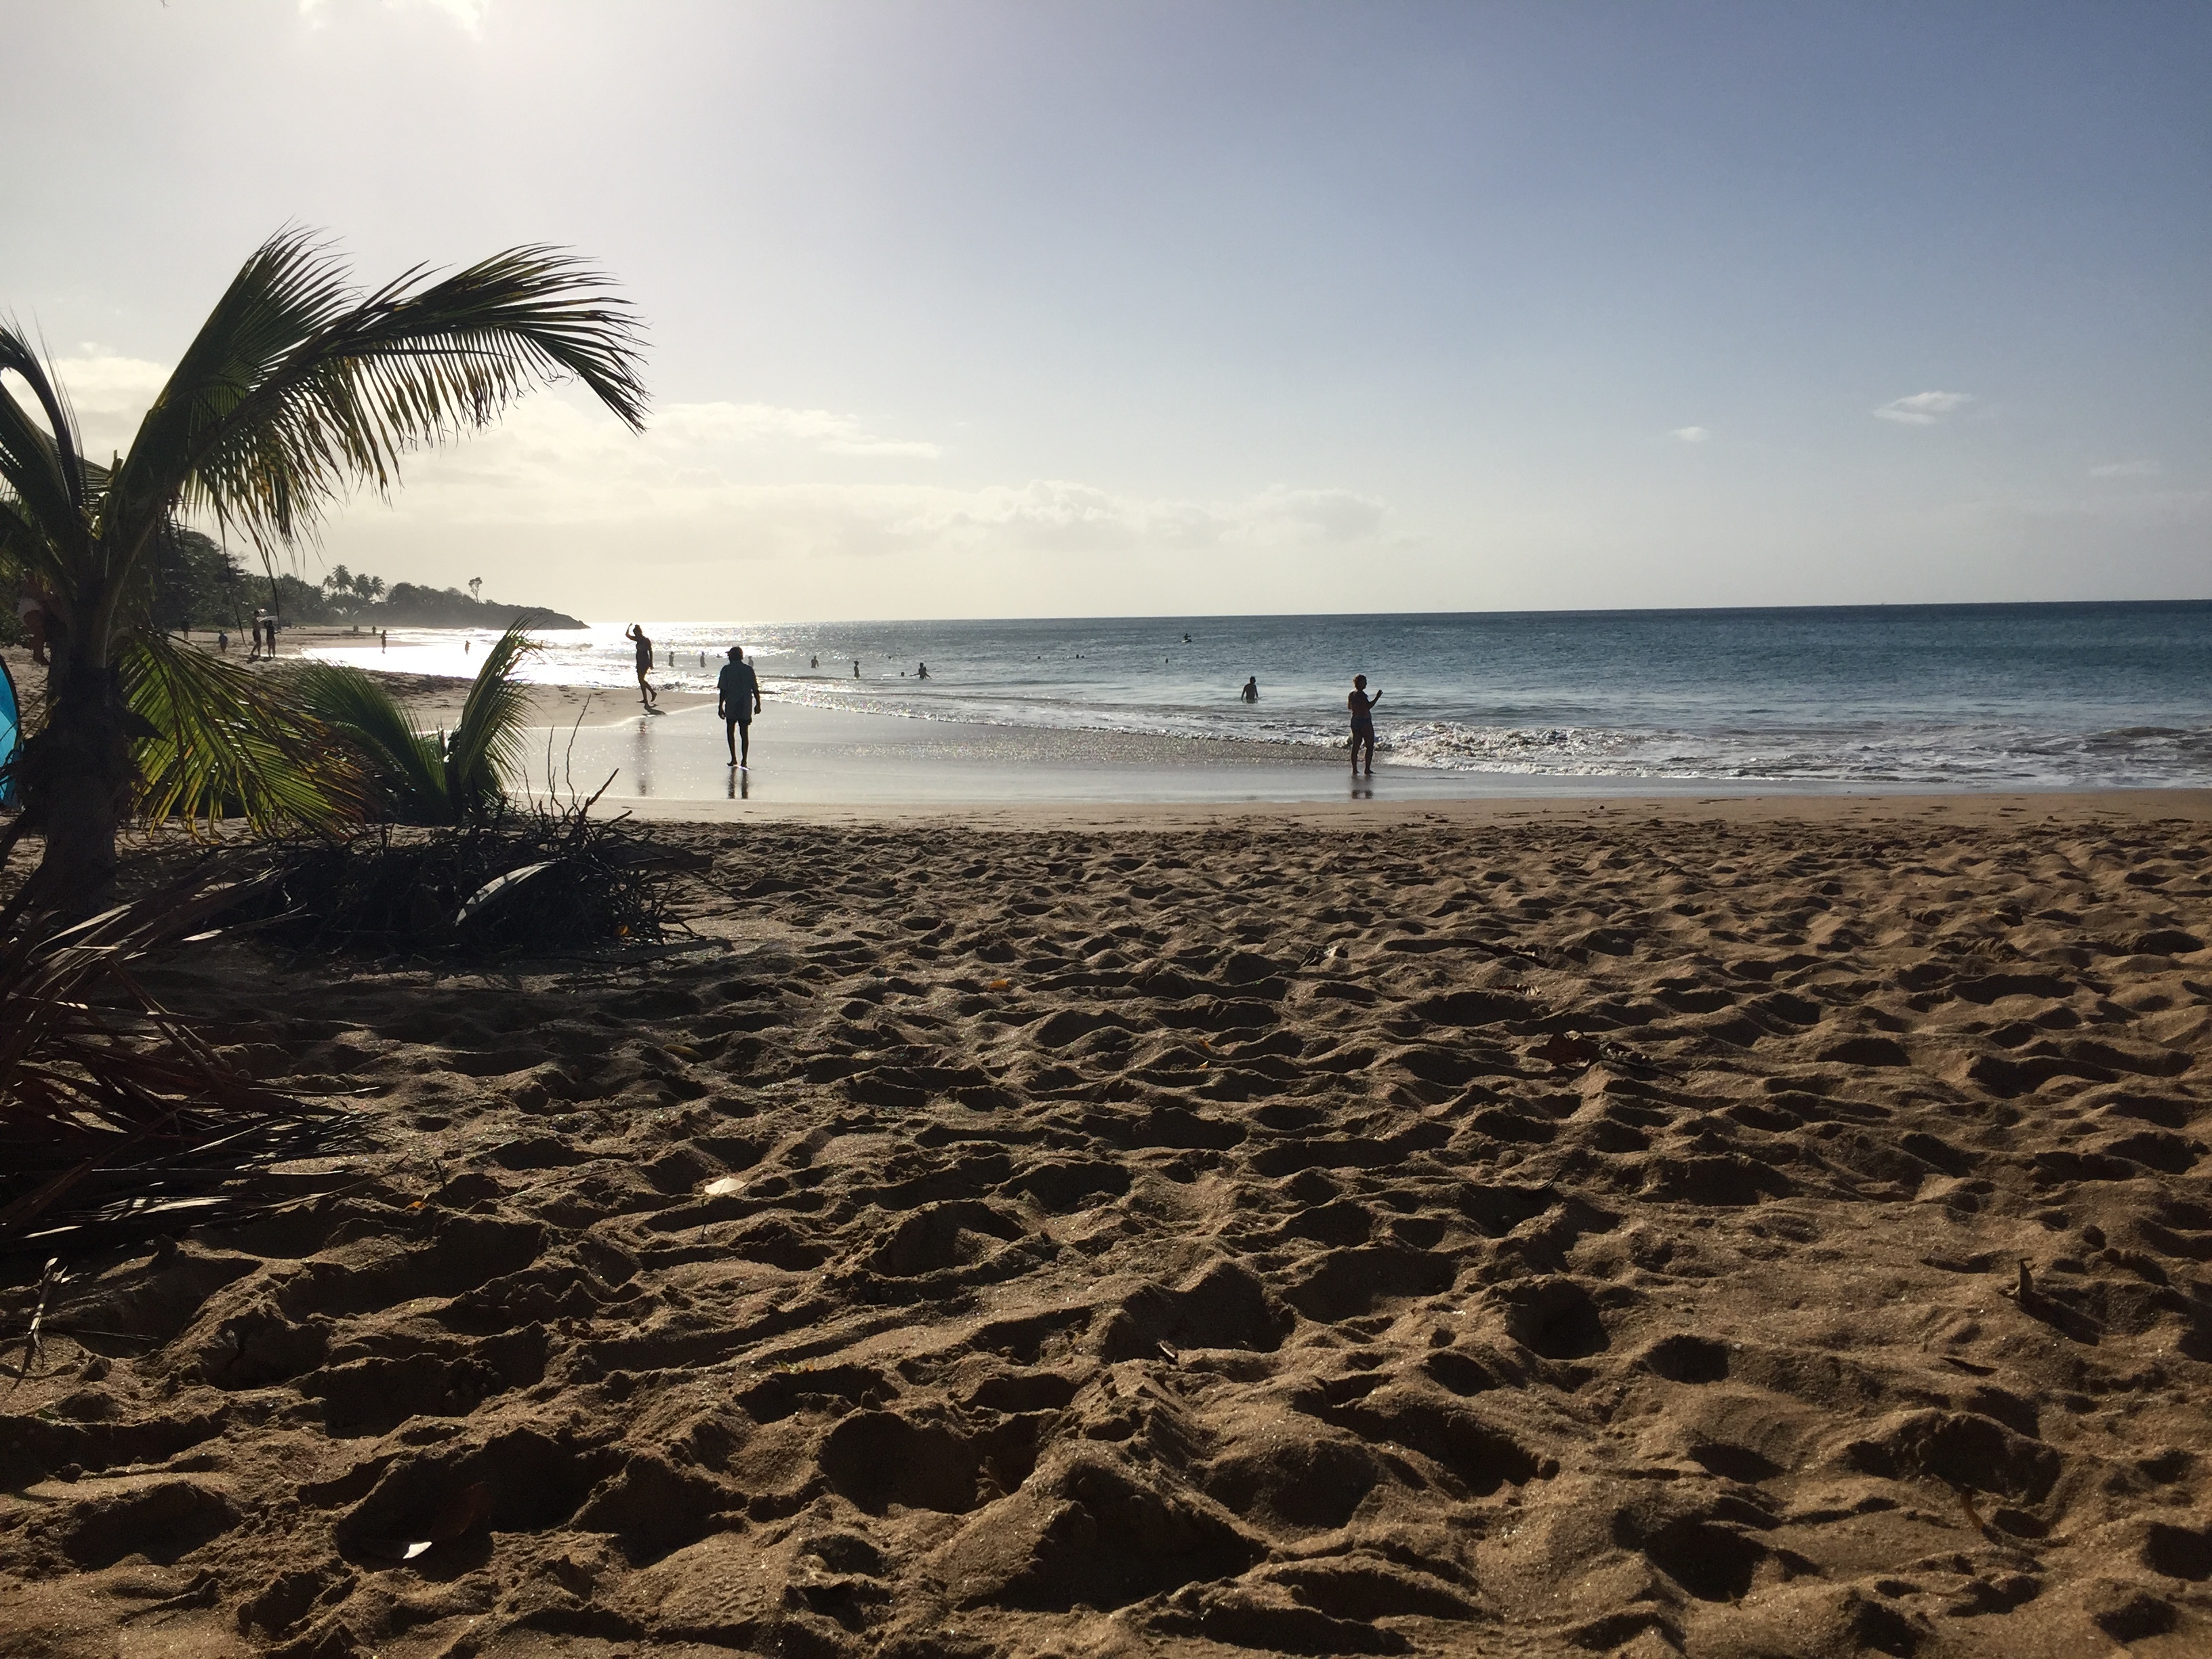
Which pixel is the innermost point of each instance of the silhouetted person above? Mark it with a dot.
(1363, 722)
(1251, 692)
(737, 699)
(922, 672)
(644, 663)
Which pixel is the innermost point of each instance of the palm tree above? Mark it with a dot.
(297, 388)
(418, 777)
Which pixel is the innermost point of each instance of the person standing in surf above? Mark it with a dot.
(644, 666)
(737, 699)
(1363, 722)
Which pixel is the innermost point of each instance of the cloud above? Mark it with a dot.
(817, 429)
(468, 15)
(759, 480)
(742, 472)
(109, 394)
(1923, 408)
(1691, 434)
(2126, 470)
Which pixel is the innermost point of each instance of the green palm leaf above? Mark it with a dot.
(486, 747)
(405, 768)
(226, 742)
(296, 389)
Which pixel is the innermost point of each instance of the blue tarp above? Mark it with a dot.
(11, 732)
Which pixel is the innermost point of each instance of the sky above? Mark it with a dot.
(1199, 308)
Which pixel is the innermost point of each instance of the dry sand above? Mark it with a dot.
(1576, 1233)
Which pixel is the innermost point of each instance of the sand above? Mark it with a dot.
(1530, 1229)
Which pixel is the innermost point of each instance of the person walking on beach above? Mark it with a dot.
(1251, 692)
(644, 664)
(856, 668)
(737, 699)
(1363, 722)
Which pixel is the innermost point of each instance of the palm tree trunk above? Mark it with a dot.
(76, 775)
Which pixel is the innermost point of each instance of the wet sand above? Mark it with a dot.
(1502, 1228)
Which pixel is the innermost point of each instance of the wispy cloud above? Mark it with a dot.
(2126, 470)
(469, 15)
(756, 471)
(715, 464)
(1923, 408)
(817, 429)
(1692, 435)
(109, 394)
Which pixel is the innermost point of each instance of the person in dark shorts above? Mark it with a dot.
(1363, 722)
(737, 699)
(644, 664)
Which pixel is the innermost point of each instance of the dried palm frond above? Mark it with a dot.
(514, 881)
(112, 1109)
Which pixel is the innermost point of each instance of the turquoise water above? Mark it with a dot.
(2040, 695)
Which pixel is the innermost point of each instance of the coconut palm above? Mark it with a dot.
(297, 389)
(418, 777)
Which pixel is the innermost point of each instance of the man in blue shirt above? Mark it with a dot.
(737, 699)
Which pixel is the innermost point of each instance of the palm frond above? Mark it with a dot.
(114, 1114)
(43, 521)
(228, 743)
(486, 746)
(402, 766)
(297, 390)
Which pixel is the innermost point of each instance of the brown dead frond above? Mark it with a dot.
(112, 1109)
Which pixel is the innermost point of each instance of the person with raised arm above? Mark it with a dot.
(1363, 722)
(644, 666)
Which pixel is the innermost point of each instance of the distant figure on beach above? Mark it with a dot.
(1251, 693)
(31, 613)
(814, 662)
(737, 699)
(856, 668)
(1363, 722)
(922, 672)
(384, 639)
(644, 664)
(222, 639)
(467, 646)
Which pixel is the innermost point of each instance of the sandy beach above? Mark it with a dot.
(1500, 1228)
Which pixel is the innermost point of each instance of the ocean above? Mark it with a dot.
(1944, 696)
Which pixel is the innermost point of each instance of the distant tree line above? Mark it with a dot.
(199, 584)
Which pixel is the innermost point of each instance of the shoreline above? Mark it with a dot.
(835, 765)
(815, 761)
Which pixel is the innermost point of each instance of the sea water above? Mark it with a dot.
(1960, 697)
